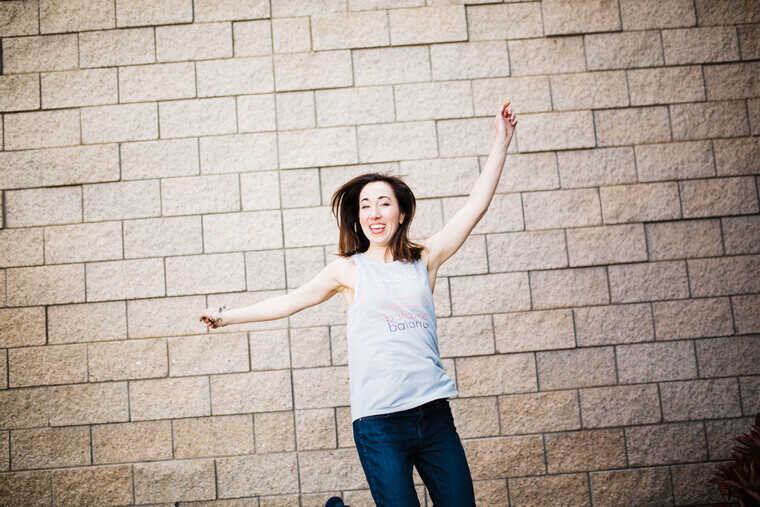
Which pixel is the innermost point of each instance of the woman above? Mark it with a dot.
(399, 389)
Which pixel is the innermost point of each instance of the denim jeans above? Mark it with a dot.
(424, 437)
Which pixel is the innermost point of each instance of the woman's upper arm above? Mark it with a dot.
(448, 240)
(320, 288)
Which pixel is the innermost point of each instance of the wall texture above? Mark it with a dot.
(162, 156)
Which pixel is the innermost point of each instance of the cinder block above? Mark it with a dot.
(750, 389)
(509, 21)
(732, 81)
(736, 156)
(131, 359)
(440, 177)
(153, 12)
(572, 488)
(76, 15)
(301, 71)
(394, 141)
(133, 441)
(656, 362)
(471, 136)
(330, 470)
(423, 101)
(736, 355)
(470, 259)
(213, 436)
(350, 30)
(624, 50)
(302, 263)
(724, 276)
(569, 287)
(162, 81)
(4, 385)
(315, 429)
(580, 17)
(194, 41)
(89, 322)
(391, 65)
(700, 45)
(45, 285)
(169, 481)
(257, 474)
(719, 196)
(691, 483)
(526, 331)
(252, 38)
(238, 153)
(25, 408)
(746, 314)
(590, 246)
(130, 199)
(524, 172)
(465, 336)
(666, 443)
(21, 247)
(339, 346)
(563, 369)
(165, 316)
(157, 237)
(348, 106)
(224, 10)
(88, 404)
(648, 281)
(561, 208)
(643, 202)
(156, 399)
(251, 392)
(201, 194)
(530, 94)
(609, 325)
(585, 450)
(200, 117)
(40, 53)
(600, 166)
(700, 399)
(476, 417)
(692, 318)
(282, 8)
(274, 432)
(82, 242)
(309, 226)
(620, 406)
(721, 435)
(22, 18)
(468, 60)
(310, 347)
(427, 25)
(491, 458)
(706, 120)
(19, 92)
(142, 278)
(490, 293)
(362, 5)
(547, 55)
(117, 47)
(653, 125)
(666, 85)
(234, 76)
(727, 13)
(496, 374)
(667, 14)
(589, 90)
(291, 35)
(265, 270)
(318, 147)
(640, 486)
(754, 115)
(678, 240)
(296, 110)
(539, 412)
(320, 387)
(130, 122)
(669, 161)
(42, 129)
(50, 447)
(568, 130)
(748, 41)
(199, 274)
(82, 486)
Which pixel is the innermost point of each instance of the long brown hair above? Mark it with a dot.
(345, 207)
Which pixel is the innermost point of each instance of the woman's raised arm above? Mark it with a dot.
(445, 243)
(318, 289)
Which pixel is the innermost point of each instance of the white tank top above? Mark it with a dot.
(393, 358)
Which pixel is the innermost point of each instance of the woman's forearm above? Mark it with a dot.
(273, 308)
(485, 186)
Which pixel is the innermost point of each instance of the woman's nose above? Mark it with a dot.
(375, 211)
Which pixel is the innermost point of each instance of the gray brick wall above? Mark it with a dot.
(161, 156)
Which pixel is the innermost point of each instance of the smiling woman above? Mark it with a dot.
(399, 388)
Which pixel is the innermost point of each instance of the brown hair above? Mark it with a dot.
(345, 207)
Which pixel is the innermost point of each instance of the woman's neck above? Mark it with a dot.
(381, 254)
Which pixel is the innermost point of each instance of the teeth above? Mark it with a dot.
(377, 227)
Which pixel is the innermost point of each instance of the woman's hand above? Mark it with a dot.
(505, 122)
(212, 318)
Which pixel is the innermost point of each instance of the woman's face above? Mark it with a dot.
(379, 212)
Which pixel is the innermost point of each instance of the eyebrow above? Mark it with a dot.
(367, 198)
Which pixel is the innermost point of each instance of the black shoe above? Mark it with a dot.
(335, 501)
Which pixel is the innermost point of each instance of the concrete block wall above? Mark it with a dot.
(159, 157)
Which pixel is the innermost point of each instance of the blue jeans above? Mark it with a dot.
(424, 437)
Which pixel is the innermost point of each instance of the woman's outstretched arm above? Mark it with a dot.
(318, 289)
(445, 243)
